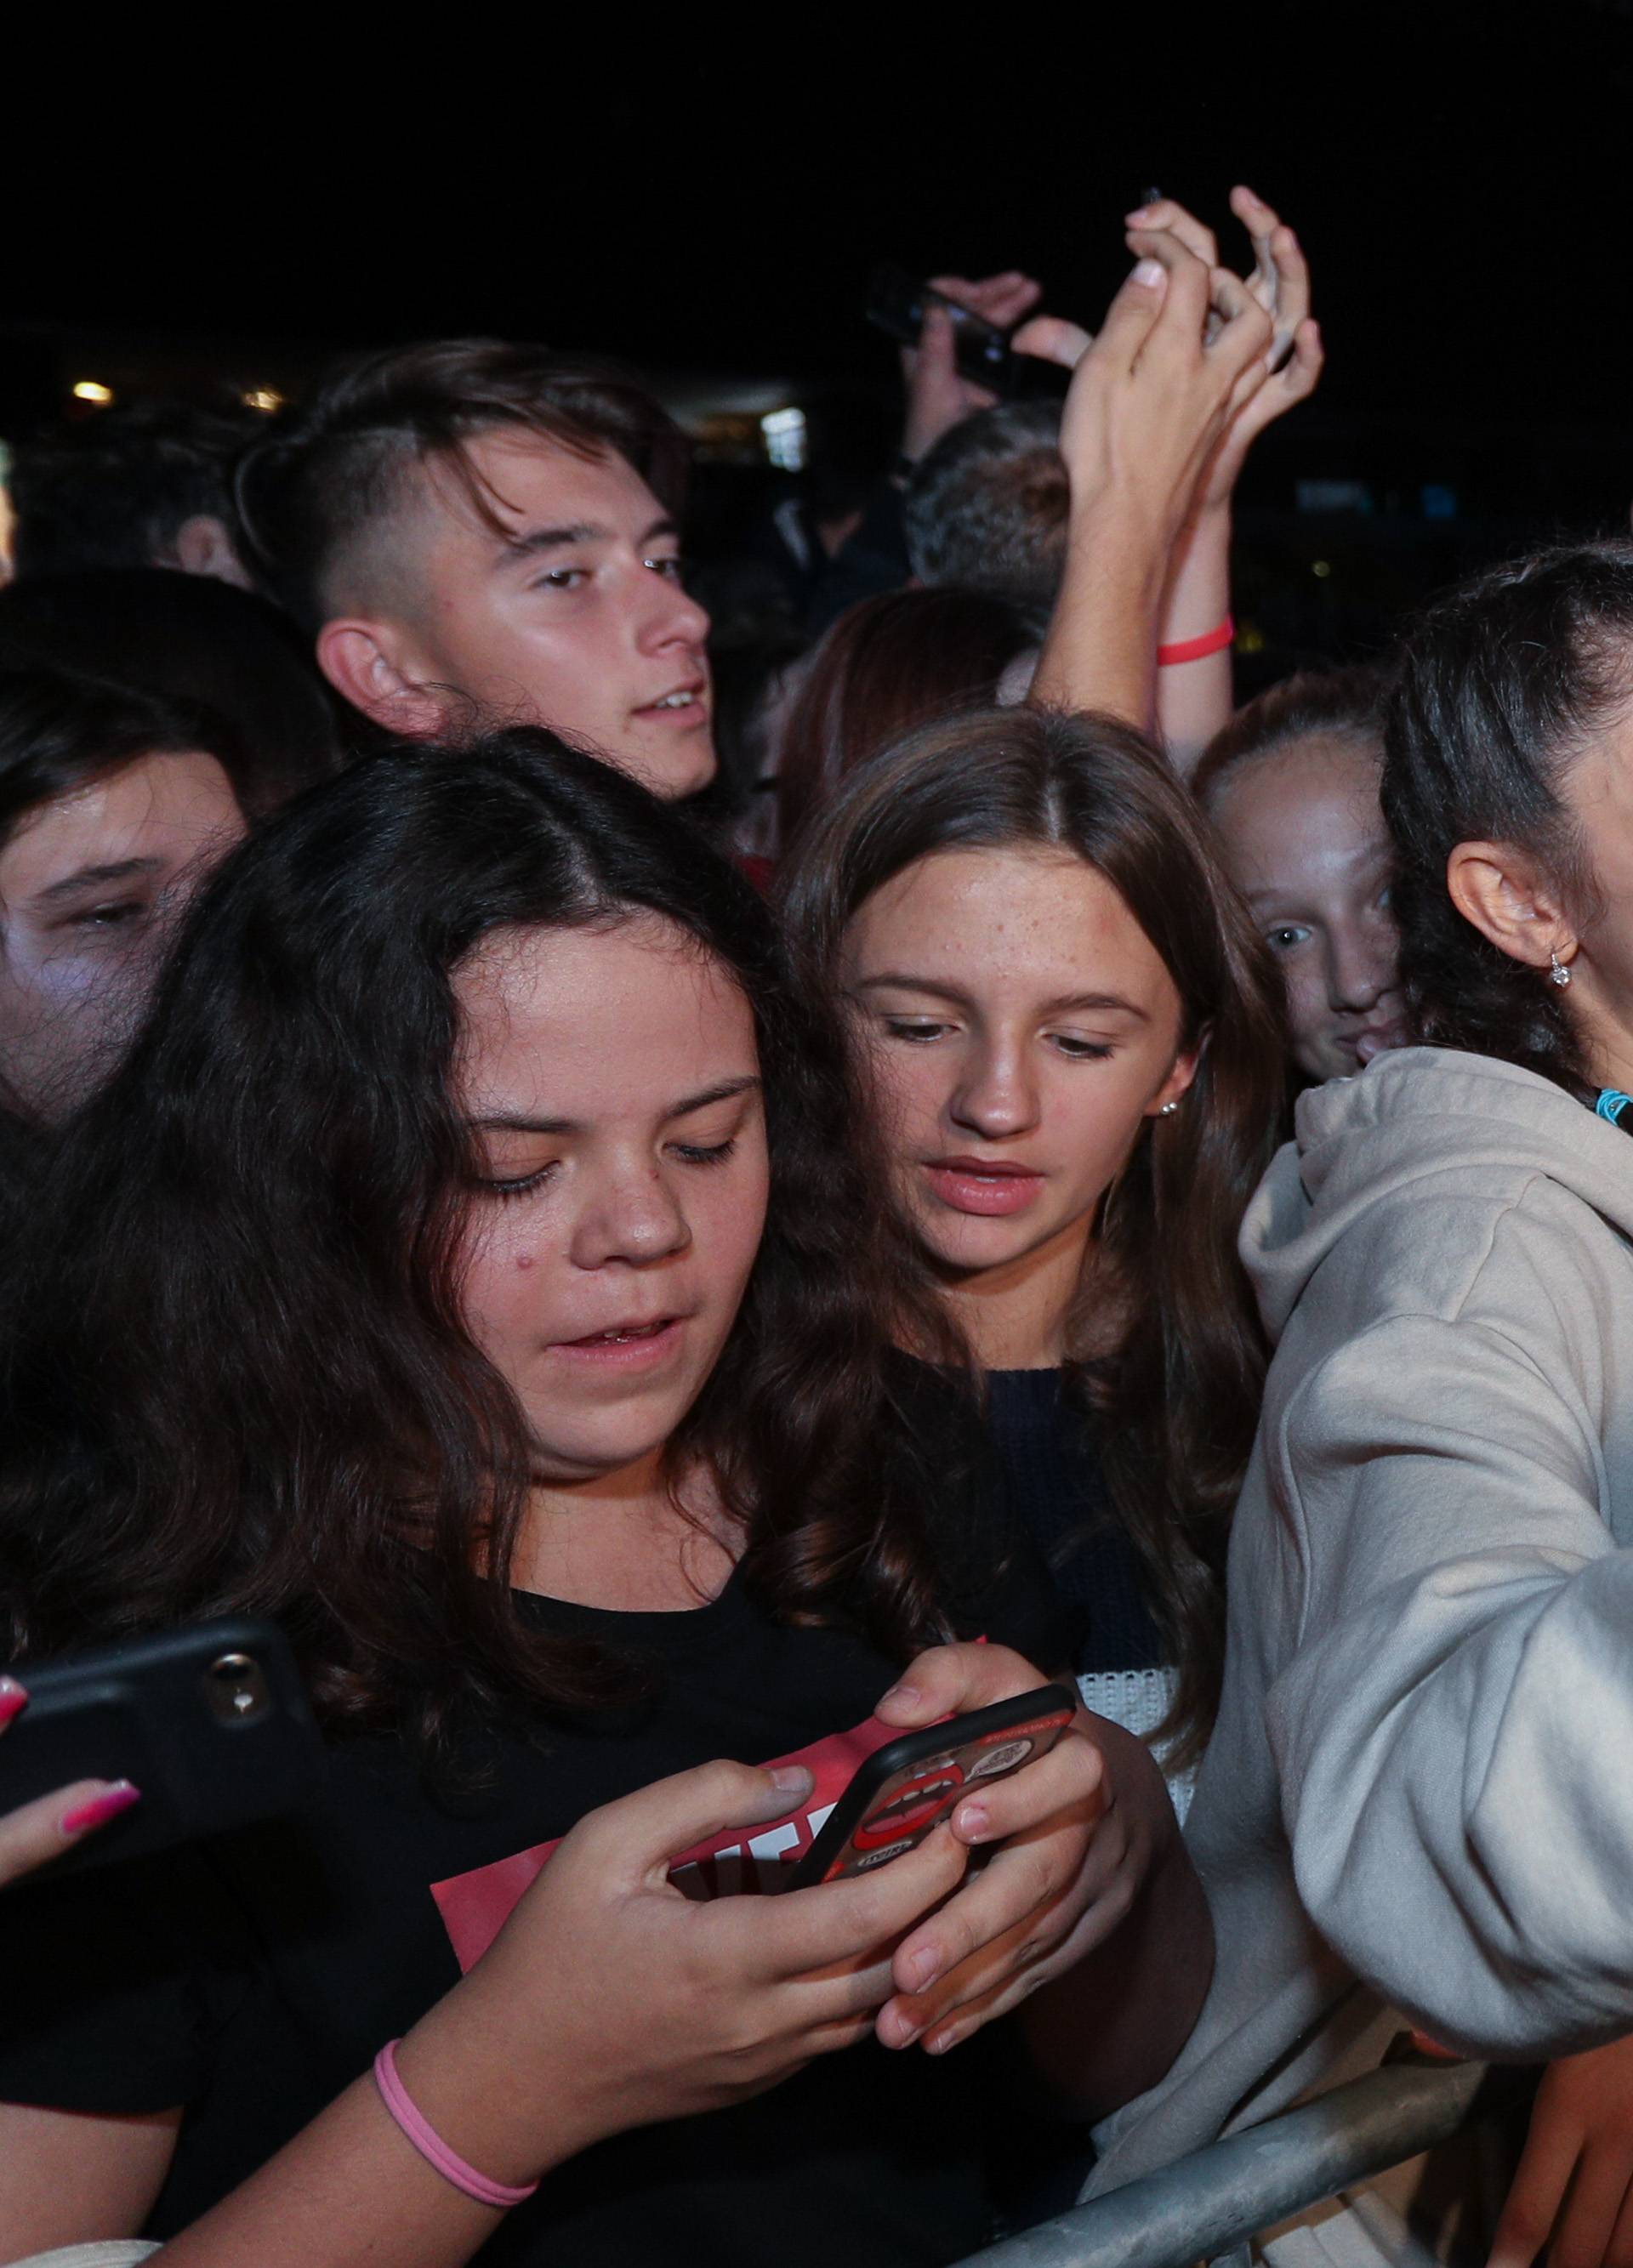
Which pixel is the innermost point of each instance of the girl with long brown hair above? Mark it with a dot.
(1071, 1034)
(473, 1268)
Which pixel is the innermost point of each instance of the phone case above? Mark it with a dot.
(211, 1721)
(906, 1787)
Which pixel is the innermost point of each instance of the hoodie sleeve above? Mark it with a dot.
(1453, 1724)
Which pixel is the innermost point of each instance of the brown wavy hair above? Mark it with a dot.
(1175, 1403)
(888, 665)
(234, 1372)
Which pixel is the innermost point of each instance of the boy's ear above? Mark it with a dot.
(204, 546)
(365, 664)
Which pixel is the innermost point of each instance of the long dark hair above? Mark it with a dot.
(888, 664)
(59, 733)
(1502, 686)
(1177, 1401)
(235, 1375)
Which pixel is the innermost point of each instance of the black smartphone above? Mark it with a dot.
(907, 1786)
(897, 300)
(211, 1721)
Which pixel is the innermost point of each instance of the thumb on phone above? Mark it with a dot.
(645, 1829)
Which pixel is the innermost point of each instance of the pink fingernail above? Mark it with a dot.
(100, 1809)
(899, 1693)
(13, 1698)
(1148, 272)
(973, 1819)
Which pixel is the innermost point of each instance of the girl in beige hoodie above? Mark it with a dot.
(1418, 1803)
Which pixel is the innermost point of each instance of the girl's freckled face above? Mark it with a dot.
(1020, 1028)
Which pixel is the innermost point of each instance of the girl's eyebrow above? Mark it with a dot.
(724, 1091)
(1094, 1002)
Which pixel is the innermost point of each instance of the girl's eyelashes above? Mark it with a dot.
(521, 1185)
(518, 1186)
(701, 1154)
(122, 914)
(922, 1030)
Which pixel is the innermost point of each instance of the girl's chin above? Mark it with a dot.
(970, 1246)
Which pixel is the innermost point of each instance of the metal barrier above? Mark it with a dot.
(1218, 2198)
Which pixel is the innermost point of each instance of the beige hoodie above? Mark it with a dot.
(1420, 1790)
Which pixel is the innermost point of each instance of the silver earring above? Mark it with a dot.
(1557, 973)
(1169, 1109)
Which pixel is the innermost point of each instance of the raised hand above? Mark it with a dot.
(1182, 352)
(1279, 283)
(1184, 349)
(939, 397)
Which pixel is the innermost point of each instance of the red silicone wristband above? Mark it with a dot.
(1197, 649)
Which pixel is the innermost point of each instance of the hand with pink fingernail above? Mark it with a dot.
(42, 1829)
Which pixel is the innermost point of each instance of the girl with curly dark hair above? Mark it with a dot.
(1072, 1036)
(475, 1269)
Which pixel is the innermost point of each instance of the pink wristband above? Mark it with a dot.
(431, 2146)
(1197, 649)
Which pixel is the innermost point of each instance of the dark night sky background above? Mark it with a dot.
(707, 192)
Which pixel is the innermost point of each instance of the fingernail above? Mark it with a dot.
(12, 1697)
(939, 2042)
(972, 1821)
(924, 1968)
(793, 1779)
(905, 2031)
(899, 1693)
(1148, 273)
(1140, 212)
(100, 1809)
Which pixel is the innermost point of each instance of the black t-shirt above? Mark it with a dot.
(253, 1978)
(1052, 1488)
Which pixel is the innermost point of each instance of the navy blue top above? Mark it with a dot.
(1053, 1489)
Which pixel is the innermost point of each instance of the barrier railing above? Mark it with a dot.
(1220, 2196)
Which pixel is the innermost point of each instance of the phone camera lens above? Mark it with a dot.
(236, 1688)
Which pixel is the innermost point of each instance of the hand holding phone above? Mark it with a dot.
(1071, 1838)
(908, 1787)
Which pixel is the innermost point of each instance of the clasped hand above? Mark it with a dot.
(1072, 1837)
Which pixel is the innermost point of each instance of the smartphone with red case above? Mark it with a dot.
(907, 1787)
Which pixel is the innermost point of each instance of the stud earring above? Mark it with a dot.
(1168, 1110)
(1557, 973)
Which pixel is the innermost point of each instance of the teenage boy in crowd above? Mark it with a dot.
(474, 532)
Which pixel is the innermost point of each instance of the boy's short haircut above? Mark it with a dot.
(111, 489)
(985, 509)
(340, 461)
(1348, 703)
